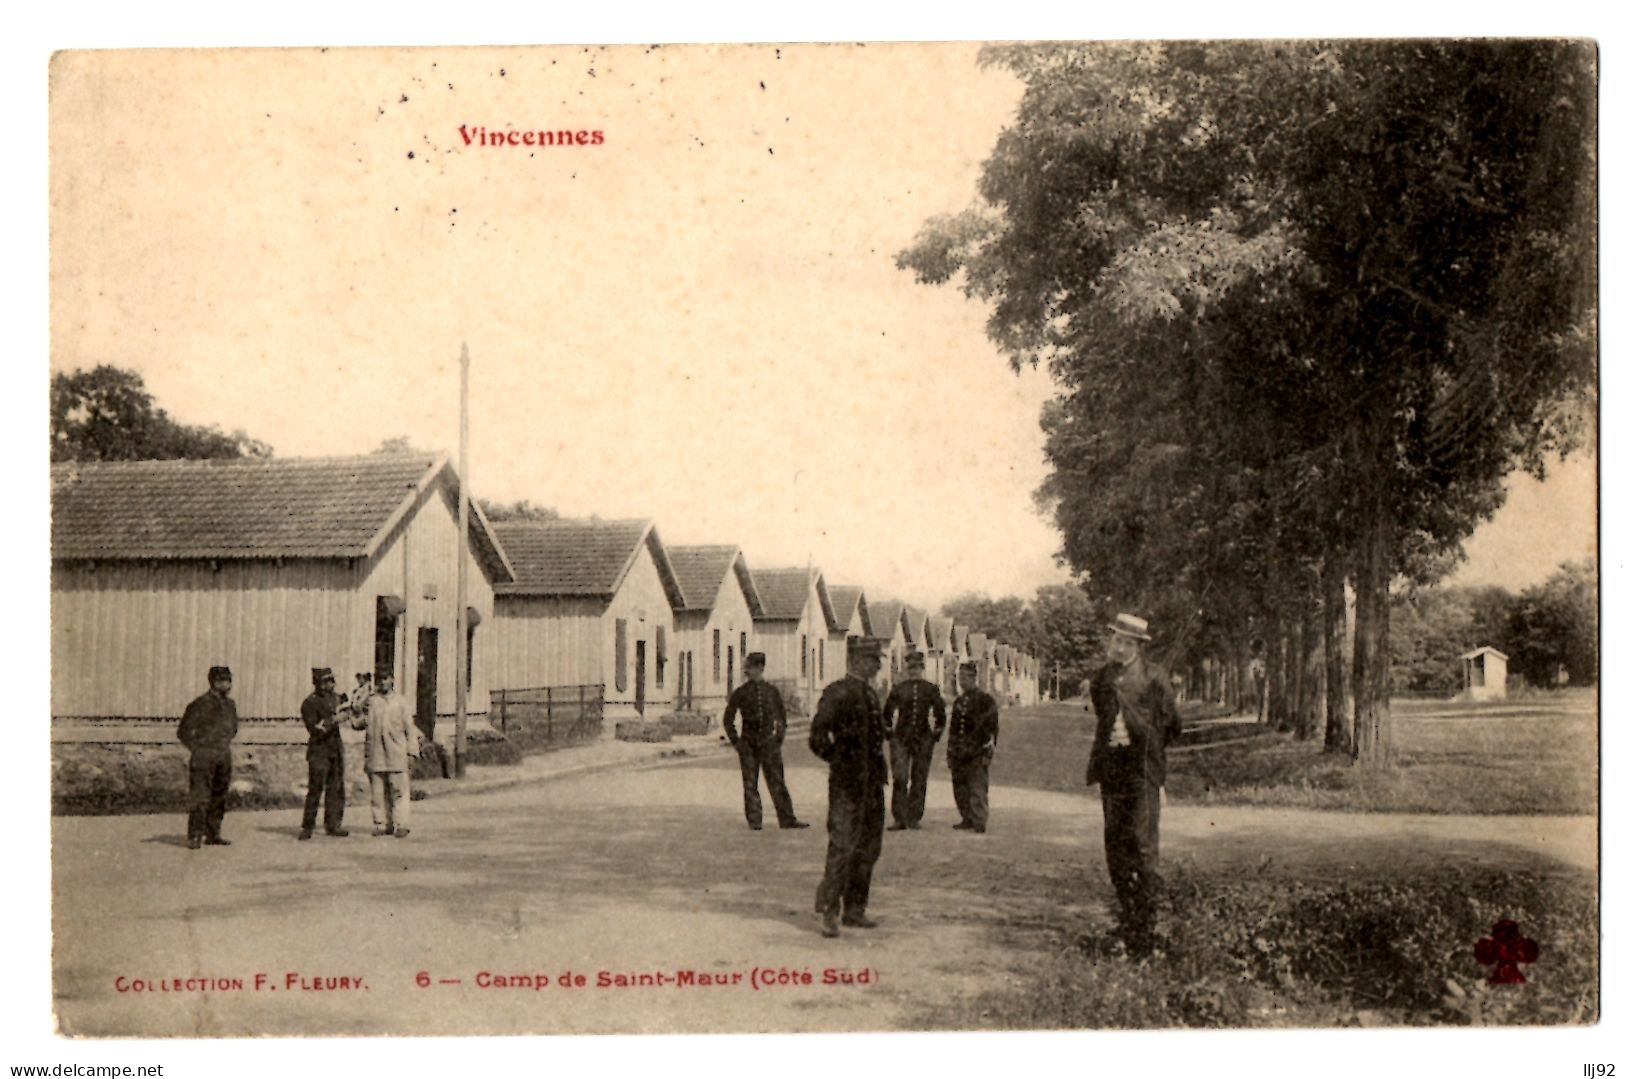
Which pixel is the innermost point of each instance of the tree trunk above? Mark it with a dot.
(1293, 697)
(1373, 734)
(1334, 634)
(1304, 719)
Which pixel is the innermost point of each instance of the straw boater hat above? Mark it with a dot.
(1131, 626)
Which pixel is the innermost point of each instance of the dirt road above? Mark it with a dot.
(651, 874)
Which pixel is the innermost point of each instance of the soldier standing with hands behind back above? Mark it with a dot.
(847, 731)
(1135, 717)
(759, 744)
(910, 709)
(973, 732)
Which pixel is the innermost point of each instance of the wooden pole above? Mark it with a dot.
(461, 648)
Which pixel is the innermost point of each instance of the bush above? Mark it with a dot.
(642, 730)
(491, 747)
(432, 762)
(686, 722)
(1243, 950)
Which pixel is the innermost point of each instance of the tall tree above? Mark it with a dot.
(522, 510)
(106, 414)
(1318, 297)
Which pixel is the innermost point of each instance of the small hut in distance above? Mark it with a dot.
(1484, 675)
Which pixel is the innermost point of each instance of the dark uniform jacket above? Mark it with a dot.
(909, 709)
(974, 729)
(847, 731)
(208, 725)
(1142, 696)
(761, 710)
(320, 715)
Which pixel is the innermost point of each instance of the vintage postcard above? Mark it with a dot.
(823, 538)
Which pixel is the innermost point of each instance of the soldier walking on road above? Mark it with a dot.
(848, 733)
(207, 729)
(910, 708)
(1135, 716)
(973, 732)
(759, 743)
(324, 757)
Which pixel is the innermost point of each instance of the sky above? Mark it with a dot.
(698, 319)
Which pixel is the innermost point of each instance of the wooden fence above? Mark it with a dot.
(548, 717)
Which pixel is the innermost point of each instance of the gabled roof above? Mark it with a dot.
(940, 628)
(1475, 653)
(703, 570)
(978, 644)
(784, 594)
(248, 508)
(960, 635)
(851, 609)
(885, 617)
(915, 626)
(1001, 654)
(581, 558)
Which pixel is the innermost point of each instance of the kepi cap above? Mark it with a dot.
(319, 675)
(915, 658)
(217, 673)
(756, 659)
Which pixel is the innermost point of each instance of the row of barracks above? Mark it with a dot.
(162, 569)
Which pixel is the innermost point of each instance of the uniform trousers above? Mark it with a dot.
(326, 767)
(209, 780)
(970, 790)
(910, 768)
(857, 824)
(391, 799)
(1132, 807)
(766, 759)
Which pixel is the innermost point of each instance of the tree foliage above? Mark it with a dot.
(106, 414)
(522, 510)
(1552, 628)
(1308, 304)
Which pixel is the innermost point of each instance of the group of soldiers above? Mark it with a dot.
(1135, 717)
(209, 726)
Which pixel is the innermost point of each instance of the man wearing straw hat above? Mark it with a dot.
(1135, 718)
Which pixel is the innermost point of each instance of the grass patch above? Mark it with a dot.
(1242, 951)
(1486, 759)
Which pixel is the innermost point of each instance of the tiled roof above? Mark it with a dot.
(845, 598)
(701, 571)
(243, 508)
(784, 594)
(918, 633)
(884, 617)
(941, 629)
(580, 558)
(961, 637)
(978, 644)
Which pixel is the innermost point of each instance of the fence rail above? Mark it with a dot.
(548, 717)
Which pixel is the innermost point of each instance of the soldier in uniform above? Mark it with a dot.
(848, 733)
(759, 743)
(908, 715)
(207, 728)
(973, 731)
(1135, 716)
(324, 756)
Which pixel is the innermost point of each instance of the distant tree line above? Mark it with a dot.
(1548, 631)
(107, 414)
